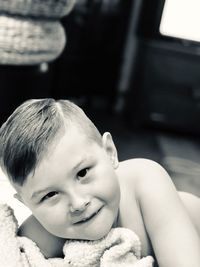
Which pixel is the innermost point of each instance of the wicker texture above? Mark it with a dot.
(37, 8)
(30, 30)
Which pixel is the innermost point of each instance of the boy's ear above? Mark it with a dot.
(18, 197)
(110, 149)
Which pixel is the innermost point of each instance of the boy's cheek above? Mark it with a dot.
(49, 222)
(53, 215)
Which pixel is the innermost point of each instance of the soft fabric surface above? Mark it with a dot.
(120, 248)
(7, 196)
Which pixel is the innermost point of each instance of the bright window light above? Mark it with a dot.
(181, 19)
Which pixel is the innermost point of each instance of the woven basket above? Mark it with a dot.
(30, 30)
(27, 41)
(37, 8)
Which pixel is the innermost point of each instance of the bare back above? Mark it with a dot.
(130, 174)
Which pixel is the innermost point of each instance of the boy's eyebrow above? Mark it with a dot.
(36, 193)
(80, 163)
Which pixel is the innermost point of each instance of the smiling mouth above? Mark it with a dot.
(88, 218)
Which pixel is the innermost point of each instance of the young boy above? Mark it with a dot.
(70, 178)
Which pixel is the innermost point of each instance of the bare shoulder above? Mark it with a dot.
(144, 176)
(139, 169)
(143, 173)
(139, 164)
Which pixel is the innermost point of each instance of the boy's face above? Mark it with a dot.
(74, 191)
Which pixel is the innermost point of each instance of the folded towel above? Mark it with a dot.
(120, 248)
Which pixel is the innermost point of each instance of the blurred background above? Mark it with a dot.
(134, 67)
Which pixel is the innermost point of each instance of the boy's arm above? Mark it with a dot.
(50, 245)
(174, 238)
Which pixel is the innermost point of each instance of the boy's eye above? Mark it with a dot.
(49, 195)
(83, 172)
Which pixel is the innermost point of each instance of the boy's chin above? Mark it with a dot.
(101, 229)
(98, 233)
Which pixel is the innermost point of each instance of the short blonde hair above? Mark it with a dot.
(32, 127)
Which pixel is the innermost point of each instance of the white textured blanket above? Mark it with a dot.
(120, 248)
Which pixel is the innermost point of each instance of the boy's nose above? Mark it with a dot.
(78, 205)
